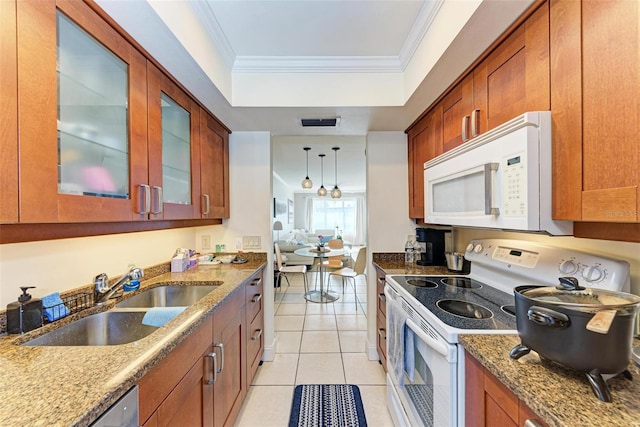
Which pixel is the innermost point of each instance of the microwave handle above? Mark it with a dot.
(490, 170)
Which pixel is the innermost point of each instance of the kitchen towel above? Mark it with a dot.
(158, 316)
(53, 308)
(396, 319)
(322, 405)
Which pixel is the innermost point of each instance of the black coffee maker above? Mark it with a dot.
(432, 242)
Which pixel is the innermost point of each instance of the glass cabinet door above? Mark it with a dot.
(93, 138)
(83, 117)
(176, 152)
(173, 149)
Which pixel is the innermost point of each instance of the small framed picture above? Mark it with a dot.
(290, 210)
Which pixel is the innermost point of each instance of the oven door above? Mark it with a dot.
(426, 383)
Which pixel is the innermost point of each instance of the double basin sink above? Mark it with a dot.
(122, 324)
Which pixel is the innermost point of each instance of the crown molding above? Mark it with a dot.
(212, 27)
(317, 64)
(426, 15)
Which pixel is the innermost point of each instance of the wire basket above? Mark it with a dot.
(70, 304)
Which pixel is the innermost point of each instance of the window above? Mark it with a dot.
(327, 214)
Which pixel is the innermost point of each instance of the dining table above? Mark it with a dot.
(323, 295)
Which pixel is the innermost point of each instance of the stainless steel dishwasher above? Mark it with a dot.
(123, 413)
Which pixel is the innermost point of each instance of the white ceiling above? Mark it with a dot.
(262, 65)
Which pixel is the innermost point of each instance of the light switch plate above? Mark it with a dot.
(251, 242)
(205, 241)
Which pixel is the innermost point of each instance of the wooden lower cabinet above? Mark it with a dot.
(229, 335)
(381, 318)
(179, 380)
(490, 403)
(191, 386)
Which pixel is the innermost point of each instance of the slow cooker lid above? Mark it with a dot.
(569, 292)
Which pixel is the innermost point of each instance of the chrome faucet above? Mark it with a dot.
(102, 291)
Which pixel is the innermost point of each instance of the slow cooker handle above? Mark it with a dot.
(546, 317)
(569, 284)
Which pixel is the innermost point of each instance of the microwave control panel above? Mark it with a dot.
(514, 185)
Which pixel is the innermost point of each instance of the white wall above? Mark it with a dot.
(250, 189)
(387, 209)
(59, 265)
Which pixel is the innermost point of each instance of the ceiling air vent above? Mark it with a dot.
(320, 122)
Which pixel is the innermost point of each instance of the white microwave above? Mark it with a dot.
(501, 179)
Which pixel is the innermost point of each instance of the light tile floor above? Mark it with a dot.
(317, 344)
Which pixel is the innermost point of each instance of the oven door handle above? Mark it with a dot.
(436, 345)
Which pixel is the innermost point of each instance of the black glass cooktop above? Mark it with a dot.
(460, 302)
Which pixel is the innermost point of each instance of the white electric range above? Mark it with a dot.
(425, 315)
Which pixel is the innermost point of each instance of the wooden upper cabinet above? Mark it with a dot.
(83, 117)
(424, 142)
(9, 114)
(174, 149)
(595, 76)
(514, 78)
(457, 108)
(214, 168)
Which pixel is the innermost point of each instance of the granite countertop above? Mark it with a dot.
(393, 263)
(562, 397)
(72, 386)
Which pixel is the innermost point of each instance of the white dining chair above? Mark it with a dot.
(292, 269)
(351, 273)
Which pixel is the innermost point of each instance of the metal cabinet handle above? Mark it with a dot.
(382, 297)
(531, 423)
(221, 347)
(144, 199)
(490, 170)
(205, 205)
(256, 298)
(382, 333)
(157, 202)
(256, 336)
(213, 356)
(465, 125)
(474, 123)
(255, 282)
(381, 280)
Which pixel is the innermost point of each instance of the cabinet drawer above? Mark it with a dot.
(381, 339)
(254, 297)
(255, 345)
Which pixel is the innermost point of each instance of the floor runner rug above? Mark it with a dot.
(327, 405)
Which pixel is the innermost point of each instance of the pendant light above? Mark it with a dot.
(322, 191)
(306, 182)
(336, 193)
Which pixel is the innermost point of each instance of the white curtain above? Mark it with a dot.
(308, 218)
(360, 238)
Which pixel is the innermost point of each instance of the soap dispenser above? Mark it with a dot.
(25, 314)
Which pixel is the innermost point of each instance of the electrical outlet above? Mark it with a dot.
(205, 241)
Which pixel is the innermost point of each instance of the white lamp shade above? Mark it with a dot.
(277, 225)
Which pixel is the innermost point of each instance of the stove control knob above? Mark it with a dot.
(593, 274)
(568, 267)
(478, 248)
(469, 247)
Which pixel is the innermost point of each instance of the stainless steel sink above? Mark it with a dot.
(107, 328)
(167, 296)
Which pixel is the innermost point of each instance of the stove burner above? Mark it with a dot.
(464, 309)
(461, 282)
(422, 283)
(509, 309)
